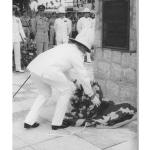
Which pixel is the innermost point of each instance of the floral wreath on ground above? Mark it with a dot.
(106, 115)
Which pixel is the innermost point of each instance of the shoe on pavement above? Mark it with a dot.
(27, 126)
(65, 124)
(21, 71)
(59, 127)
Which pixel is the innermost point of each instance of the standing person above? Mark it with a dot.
(62, 27)
(52, 30)
(40, 27)
(25, 20)
(18, 36)
(85, 22)
(52, 69)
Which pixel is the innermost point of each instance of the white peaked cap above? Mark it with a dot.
(86, 37)
(86, 10)
(61, 10)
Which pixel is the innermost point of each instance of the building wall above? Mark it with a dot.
(116, 71)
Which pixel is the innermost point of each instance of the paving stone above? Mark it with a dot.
(133, 126)
(66, 143)
(27, 148)
(19, 115)
(22, 105)
(27, 104)
(15, 88)
(129, 145)
(103, 138)
(17, 142)
(34, 136)
(17, 107)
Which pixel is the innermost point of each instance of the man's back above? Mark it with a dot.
(62, 57)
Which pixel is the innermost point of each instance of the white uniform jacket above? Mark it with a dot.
(18, 32)
(63, 27)
(64, 58)
(84, 23)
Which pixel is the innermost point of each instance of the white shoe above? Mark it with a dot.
(20, 70)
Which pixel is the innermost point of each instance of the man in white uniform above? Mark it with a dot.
(52, 70)
(63, 27)
(18, 36)
(85, 22)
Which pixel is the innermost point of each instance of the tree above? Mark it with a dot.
(22, 4)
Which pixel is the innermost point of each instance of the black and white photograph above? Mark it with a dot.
(74, 74)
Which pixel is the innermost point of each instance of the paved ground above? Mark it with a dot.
(72, 138)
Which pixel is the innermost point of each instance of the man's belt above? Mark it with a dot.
(25, 26)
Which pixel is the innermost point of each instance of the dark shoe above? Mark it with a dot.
(59, 127)
(27, 126)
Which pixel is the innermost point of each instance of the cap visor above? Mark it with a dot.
(86, 48)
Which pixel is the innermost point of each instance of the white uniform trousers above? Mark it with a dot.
(17, 55)
(45, 84)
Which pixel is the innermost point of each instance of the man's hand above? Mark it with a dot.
(24, 40)
(96, 101)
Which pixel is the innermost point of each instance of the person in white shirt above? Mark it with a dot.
(85, 22)
(18, 36)
(53, 70)
(63, 27)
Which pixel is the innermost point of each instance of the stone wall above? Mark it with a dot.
(117, 74)
(116, 71)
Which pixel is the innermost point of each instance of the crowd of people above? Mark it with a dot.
(47, 30)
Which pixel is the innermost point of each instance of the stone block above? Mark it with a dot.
(107, 55)
(112, 89)
(128, 93)
(102, 83)
(103, 70)
(133, 61)
(129, 75)
(116, 72)
(98, 54)
(116, 57)
(125, 60)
